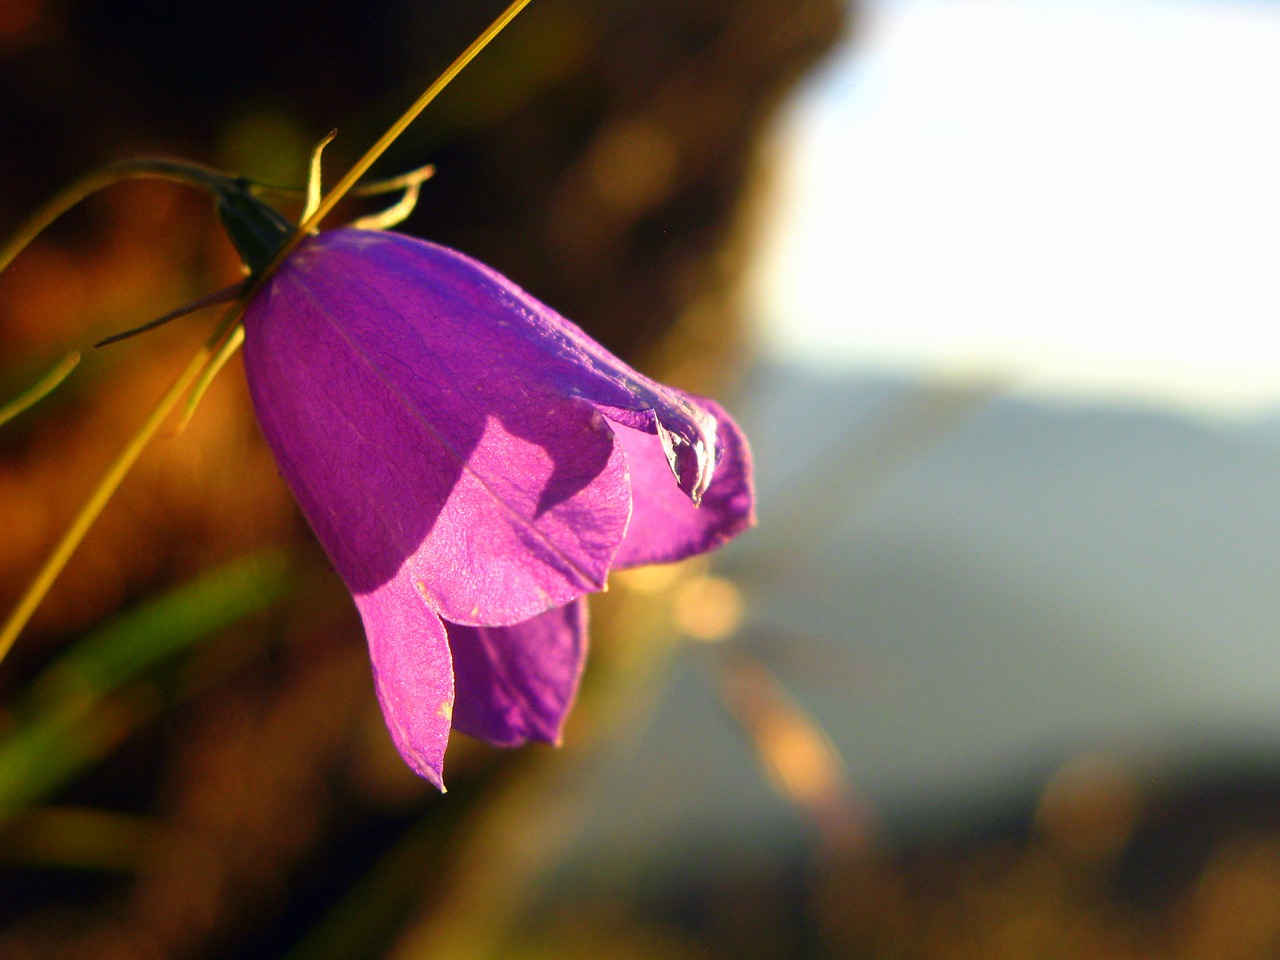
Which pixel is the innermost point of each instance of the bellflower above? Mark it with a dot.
(474, 464)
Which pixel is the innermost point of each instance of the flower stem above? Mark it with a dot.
(235, 337)
(195, 175)
(393, 132)
(41, 389)
(107, 486)
(160, 168)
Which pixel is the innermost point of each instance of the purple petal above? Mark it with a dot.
(412, 672)
(515, 684)
(414, 420)
(475, 319)
(665, 524)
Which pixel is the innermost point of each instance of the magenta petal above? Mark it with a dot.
(515, 684)
(446, 436)
(665, 524)
(396, 387)
(477, 330)
(412, 672)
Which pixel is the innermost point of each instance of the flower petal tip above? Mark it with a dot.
(433, 775)
(516, 684)
(691, 459)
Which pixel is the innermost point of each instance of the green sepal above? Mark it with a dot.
(255, 228)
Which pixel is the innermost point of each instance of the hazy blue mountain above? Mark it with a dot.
(967, 589)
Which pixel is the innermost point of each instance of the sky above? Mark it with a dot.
(1081, 195)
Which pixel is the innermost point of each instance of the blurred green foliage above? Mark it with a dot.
(55, 728)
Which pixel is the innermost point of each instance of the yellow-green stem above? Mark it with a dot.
(120, 467)
(107, 486)
(235, 337)
(41, 389)
(364, 163)
(149, 167)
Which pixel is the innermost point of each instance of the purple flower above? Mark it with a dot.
(473, 464)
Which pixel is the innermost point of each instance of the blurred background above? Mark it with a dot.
(990, 285)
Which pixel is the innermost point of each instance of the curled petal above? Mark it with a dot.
(412, 672)
(666, 525)
(685, 431)
(515, 684)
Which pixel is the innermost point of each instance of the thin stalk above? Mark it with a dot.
(225, 295)
(107, 486)
(393, 132)
(235, 337)
(187, 173)
(41, 388)
(138, 168)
